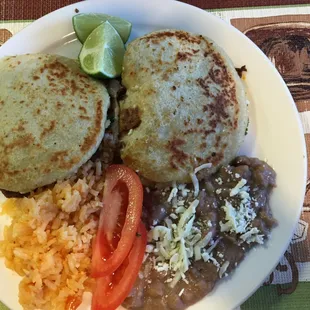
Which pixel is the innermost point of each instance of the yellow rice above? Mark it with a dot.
(49, 241)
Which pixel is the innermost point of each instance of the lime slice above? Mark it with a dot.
(84, 24)
(103, 52)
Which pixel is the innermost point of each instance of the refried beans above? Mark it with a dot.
(220, 196)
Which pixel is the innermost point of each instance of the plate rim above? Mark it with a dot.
(177, 3)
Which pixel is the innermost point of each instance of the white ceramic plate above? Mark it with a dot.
(275, 133)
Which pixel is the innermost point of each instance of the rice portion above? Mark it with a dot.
(49, 242)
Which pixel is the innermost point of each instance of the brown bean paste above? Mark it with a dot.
(152, 289)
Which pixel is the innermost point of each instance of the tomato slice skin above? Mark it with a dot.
(112, 290)
(119, 220)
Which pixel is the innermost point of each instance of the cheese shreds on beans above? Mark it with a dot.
(180, 241)
(176, 244)
(239, 220)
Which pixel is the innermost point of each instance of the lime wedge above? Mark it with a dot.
(84, 24)
(103, 52)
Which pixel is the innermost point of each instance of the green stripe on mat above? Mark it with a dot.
(3, 307)
(267, 297)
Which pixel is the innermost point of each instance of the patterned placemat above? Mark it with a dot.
(283, 33)
(285, 39)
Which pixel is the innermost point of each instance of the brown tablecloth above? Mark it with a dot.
(288, 286)
(33, 9)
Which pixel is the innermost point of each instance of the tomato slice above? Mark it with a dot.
(119, 220)
(111, 291)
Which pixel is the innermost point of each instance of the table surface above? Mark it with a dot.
(288, 286)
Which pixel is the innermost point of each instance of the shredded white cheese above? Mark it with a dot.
(223, 269)
(180, 240)
(219, 181)
(180, 210)
(238, 219)
(176, 243)
(211, 248)
(253, 236)
(173, 216)
(195, 179)
(203, 166)
(207, 257)
(173, 194)
(149, 248)
(235, 191)
(181, 292)
(183, 189)
(195, 184)
(180, 202)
